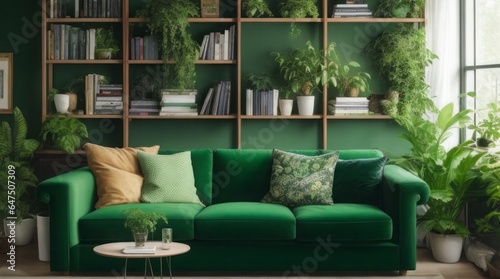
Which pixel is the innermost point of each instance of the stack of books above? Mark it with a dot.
(218, 99)
(351, 106)
(178, 103)
(144, 107)
(262, 102)
(139, 250)
(218, 45)
(351, 10)
(109, 99)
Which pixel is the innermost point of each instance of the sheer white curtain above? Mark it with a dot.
(443, 38)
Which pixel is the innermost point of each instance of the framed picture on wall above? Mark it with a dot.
(6, 82)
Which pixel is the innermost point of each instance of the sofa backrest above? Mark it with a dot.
(202, 161)
(245, 174)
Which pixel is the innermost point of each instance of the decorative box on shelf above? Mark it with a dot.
(209, 8)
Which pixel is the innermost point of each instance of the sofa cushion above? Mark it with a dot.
(117, 173)
(167, 178)
(202, 162)
(107, 224)
(245, 220)
(243, 174)
(342, 222)
(358, 181)
(299, 179)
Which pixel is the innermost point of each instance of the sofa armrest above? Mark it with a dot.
(401, 193)
(69, 196)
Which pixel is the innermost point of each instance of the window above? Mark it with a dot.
(481, 53)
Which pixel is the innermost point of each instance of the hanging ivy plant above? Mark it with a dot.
(169, 20)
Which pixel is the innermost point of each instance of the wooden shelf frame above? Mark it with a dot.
(324, 22)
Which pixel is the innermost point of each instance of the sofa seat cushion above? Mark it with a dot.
(107, 224)
(342, 222)
(245, 220)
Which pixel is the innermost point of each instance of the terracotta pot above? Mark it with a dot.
(73, 100)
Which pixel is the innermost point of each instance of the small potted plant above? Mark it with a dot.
(298, 9)
(67, 102)
(141, 224)
(349, 83)
(488, 129)
(305, 70)
(106, 46)
(63, 133)
(256, 8)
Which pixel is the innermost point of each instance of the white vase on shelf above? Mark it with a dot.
(62, 103)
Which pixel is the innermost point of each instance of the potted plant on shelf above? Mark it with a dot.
(401, 55)
(305, 70)
(298, 9)
(348, 83)
(169, 19)
(141, 224)
(106, 46)
(63, 133)
(256, 8)
(67, 102)
(16, 152)
(488, 130)
(400, 8)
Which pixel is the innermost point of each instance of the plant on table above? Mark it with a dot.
(169, 20)
(298, 9)
(256, 8)
(141, 224)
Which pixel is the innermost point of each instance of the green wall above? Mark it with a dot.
(20, 34)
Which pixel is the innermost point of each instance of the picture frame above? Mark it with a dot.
(6, 72)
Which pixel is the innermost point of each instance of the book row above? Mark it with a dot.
(85, 8)
(144, 48)
(66, 42)
(102, 98)
(262, 102)
(218, 100)
(218, 45)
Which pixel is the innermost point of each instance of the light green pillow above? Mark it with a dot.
(167, 178)
(300, 179)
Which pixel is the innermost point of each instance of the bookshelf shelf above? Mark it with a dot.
(250, 49)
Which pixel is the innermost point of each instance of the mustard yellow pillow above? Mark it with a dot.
(117, 173)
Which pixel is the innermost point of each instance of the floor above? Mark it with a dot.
(27, 264)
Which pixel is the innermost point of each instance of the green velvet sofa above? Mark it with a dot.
(236, 232)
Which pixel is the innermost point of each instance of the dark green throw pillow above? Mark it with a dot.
(358, 181)
(300, 179)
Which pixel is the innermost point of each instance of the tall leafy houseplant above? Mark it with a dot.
(169, 20)
(64, 133)
(16, 152)
(401, 56)
(298, 9)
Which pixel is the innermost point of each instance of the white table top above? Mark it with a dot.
(114, 250)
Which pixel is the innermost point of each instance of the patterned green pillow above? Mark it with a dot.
(300, 179)
(167, 178)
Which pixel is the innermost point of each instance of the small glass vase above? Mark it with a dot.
(140, 239)
(166, 238)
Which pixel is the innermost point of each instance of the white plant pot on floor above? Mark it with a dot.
(286, 106)
(43, 236)
(22, 231)
(446, 248)
(306, 105)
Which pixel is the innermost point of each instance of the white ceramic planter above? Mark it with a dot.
(43, 236)
(305, 105)
(446, 248)
(23, 231)
(62, 103)
(286, 106)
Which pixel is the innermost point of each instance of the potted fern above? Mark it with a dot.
(63, 133)
(141, 224)
(16, 152)
(305, 70)
(106, 45)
